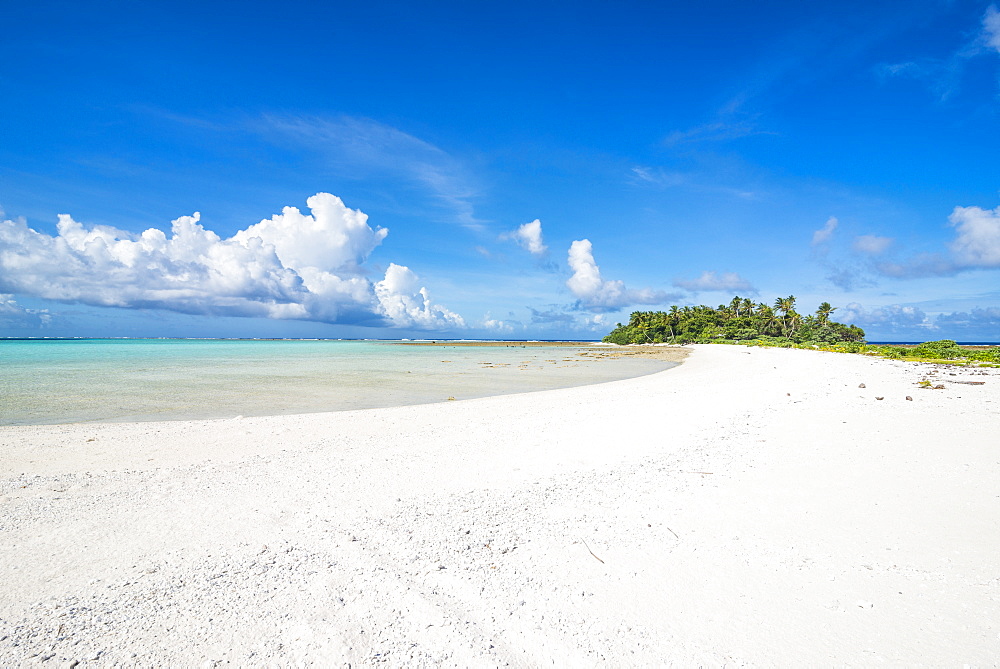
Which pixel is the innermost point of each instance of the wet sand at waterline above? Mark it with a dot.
(748, 507)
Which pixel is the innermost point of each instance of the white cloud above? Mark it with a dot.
(890, 316)
(498, 325)
(333, 237)
(529, 237)
(727, 281)
(553, 315)
(848, 277)
(976, 318)
(593, 292)
(976, 246)
(872, 244)
(823, 234)
(8, 305)
(293, 265)
(406, 304)
(13, 314)
(920, 266)
(586, 280)
(978, 241)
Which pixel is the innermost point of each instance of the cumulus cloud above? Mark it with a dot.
(499, 325)
(529, 237)
(727, 281)
(848, 277)
(13, 314)
(976, 246)
(406, 304)
(890, 316)
(824, 234)
(596, 294)
(550, 316)
(595, 321)
(291, 266)
(976, 318)
(918, 267)
(332, 237)
(872, 245)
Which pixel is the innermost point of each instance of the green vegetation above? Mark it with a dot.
(739, 321)
(744, 322)
(943, 350)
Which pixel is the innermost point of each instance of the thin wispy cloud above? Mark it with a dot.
(823, 235)
(991, 28)
(659, 178)
(717, 131)
(846, 272)
(871, 245)
(712, 281)
(943, 76)
(811, 52)
(849, 276)
(367, 145)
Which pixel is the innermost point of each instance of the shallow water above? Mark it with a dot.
(64, 381)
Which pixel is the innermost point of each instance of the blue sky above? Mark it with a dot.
(515, 169)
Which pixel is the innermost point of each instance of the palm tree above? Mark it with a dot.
(673, 318)
(824, 312)
(786, 305)
(763, 319)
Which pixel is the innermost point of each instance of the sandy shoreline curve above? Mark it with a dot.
(750, 507)
(666, 352)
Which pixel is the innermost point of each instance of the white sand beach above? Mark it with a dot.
(750, 507)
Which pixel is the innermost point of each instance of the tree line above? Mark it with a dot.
(740, 320)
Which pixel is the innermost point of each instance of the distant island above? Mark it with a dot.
(740, 320)
(744, 322)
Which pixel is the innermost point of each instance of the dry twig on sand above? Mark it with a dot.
(590, 551)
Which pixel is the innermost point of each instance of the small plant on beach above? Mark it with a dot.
(943, 349)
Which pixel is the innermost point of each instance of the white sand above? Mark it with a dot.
(751, 507)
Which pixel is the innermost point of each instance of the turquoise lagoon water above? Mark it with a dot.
(65, 381)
